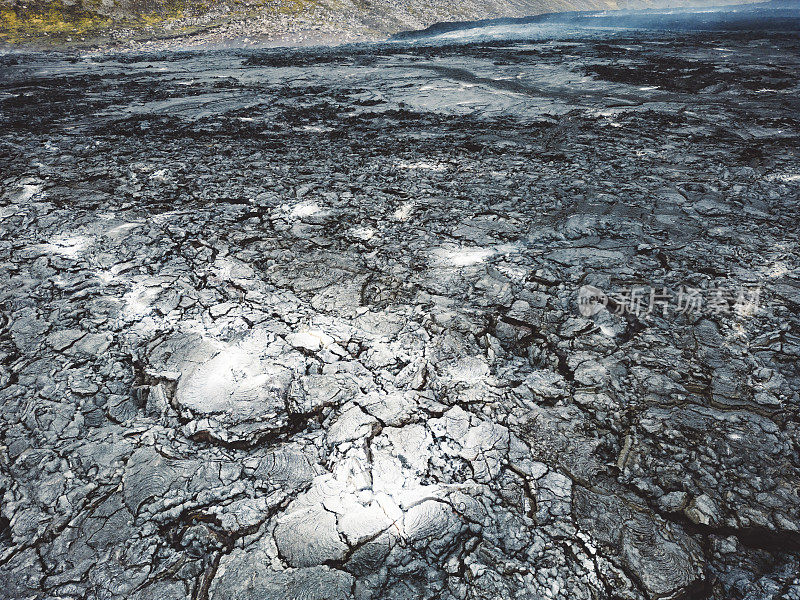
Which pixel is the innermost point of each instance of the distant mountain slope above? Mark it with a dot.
(80, 22)
(772, 15)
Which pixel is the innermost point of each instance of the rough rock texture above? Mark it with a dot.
(271, 330)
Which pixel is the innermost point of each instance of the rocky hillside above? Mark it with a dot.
(82, 22)
(403, 322)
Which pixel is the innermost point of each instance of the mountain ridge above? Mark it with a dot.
(76, 23)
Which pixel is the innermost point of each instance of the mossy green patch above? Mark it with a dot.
(17, 26)
(55, 23)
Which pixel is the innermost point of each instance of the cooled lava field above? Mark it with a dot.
(497, 318)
